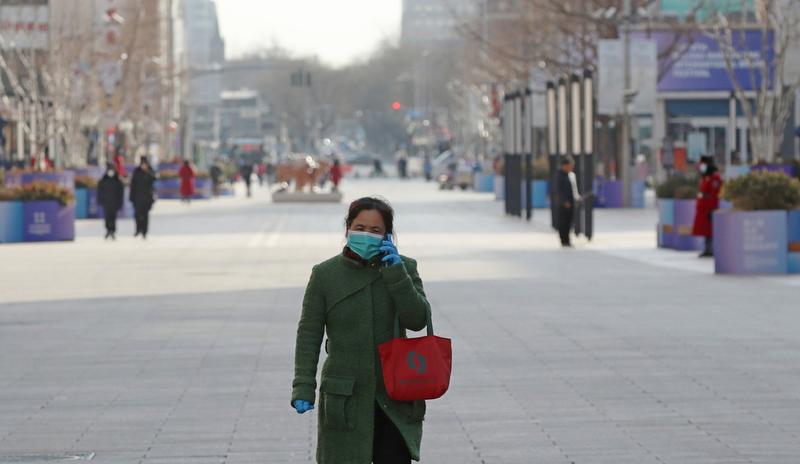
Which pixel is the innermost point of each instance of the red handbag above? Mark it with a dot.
(416, 368)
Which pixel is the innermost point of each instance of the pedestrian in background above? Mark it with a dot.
(336, 174)
(187, 176)
(216, 177)
(246, 171)
(707, 203)
(568, 196)
(142, 196)
(110, 195)
(427, 167)
(354, 297)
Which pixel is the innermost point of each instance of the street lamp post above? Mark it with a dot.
(528, 152)
(627, 95)
(588, 153)
(552, 147)
(576, 146)
(563, 149)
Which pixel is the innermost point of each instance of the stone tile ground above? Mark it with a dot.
(179, 349)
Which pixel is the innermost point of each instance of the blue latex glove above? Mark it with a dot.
(392, 257)
(302, 406)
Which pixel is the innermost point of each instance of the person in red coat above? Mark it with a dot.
(707, 203)
(187, 181)
(336, 174)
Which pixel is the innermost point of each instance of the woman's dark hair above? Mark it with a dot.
(369, 204)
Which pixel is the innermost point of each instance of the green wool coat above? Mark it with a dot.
(355, 304)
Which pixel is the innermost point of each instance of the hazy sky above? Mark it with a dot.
(337, 31)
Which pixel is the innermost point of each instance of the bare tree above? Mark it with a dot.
(772, 85)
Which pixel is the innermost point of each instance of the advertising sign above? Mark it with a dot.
(694, 62)
(47, 221)
(25, 25)
(611, 75)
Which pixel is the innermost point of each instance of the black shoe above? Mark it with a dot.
(113, 236)
(108, 234)
(706, 254)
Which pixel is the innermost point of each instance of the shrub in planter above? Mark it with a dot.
(687, 185)
(540, 169)
(754, 237)
(85, 182)
(167, 174)
(762, 191)
(43, 191)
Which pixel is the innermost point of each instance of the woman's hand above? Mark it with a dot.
(392, 257)
(302, 406)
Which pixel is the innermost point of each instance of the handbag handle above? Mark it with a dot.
(397, 324)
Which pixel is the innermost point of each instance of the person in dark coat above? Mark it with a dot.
(142, 195)
(110, 195)
(246, 171)
(216, 177)
(354, 298)
(567, 190)
(707, 203)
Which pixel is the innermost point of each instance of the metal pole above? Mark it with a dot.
(21, 131)
(731, 138)
(528, 149)
(588, 153)
(552, 147)
(625, 159)
(32, 136)
(577, 132)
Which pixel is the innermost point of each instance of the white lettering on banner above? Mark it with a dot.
(699, 61)
(754, 239)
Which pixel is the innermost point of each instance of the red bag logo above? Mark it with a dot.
(416, 362)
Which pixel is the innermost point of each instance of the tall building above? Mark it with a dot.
(205, 56)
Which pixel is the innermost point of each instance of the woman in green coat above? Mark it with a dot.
(354, 298)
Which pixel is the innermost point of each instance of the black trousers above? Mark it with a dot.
(388, 446)
(142, 217)
(111, 219)
(565, 220)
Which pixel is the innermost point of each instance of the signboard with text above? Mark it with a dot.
(695, 62)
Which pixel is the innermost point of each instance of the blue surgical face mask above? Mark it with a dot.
(703, 168)
(364, 244)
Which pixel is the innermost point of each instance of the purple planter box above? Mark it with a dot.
(484, 183)
(541, 199)
(666, 222)
(787, 169)
(793, 238)
(169, 189)
(751, 242)
(499, 187)
(202, 188)
(609, 193)
(11, 227)
(47, 221)
(684, 212)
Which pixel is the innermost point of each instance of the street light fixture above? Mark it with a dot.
(562, 117)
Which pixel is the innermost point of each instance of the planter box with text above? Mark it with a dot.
(11, 227)
(47, 221)
(683, 239)
(751, 242)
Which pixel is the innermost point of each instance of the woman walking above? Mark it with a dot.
(354, 297)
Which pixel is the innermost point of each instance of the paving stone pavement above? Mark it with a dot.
(179, 349)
